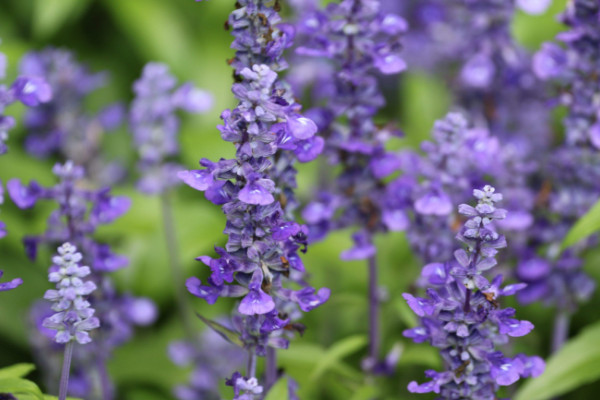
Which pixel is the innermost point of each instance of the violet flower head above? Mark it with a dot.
(245, 388)
(64, 126)
(155, 125)
(80, 211)
(74, 316)
(360, 42)
(462, 316)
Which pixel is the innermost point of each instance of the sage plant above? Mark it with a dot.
(359, 41)
(462, 315)
(262, 250)
(80, 210)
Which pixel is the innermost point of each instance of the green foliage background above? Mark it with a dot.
(120, 36)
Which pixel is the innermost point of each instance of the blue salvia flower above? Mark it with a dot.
(462, 316)
(155, 125)
(64, 126)
(255, 191)
(359, 41)
(74, 316)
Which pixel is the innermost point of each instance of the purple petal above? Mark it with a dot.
(199, 179)
(301, 127)
(256, 302)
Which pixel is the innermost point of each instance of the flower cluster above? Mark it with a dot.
(255, 189)
(74, 316)
(63, 126)
(462, 316)
(155, 126)
(360, 41)
(456, 159)
(80, 211)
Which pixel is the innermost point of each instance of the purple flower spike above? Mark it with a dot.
(155, 126)
(256, 192)
(74, 317)
(462, 311)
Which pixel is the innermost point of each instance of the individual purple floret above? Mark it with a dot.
(6, 286)
(255, 190)
(155, 125)
(462, 316)
(359, 42)
(74, 316)
(64, 126)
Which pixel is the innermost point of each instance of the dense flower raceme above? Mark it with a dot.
(74, 317)
(462, 316)
(255, 188)
(64, 126)
(155, 125)
(359, 41)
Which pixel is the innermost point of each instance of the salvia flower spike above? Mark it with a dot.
(462, 316)
(74, 317)
(255, 192)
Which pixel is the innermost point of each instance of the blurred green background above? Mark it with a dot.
(120, 36)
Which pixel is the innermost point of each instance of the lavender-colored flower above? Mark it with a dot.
(80, 211)
(245, 388)
(74, 316)
(155, 125)
(462, 317)
(359, 42)
(6, 286)
(63, 126)
(255, 191)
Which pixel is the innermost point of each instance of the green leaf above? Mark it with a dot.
(279, 391)
(16, 371)
(50, 15)
(584, 227)
(576, 364)
(223, 331)
(50, 397)
(338, 351)
(365, 393)
(20, 388)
